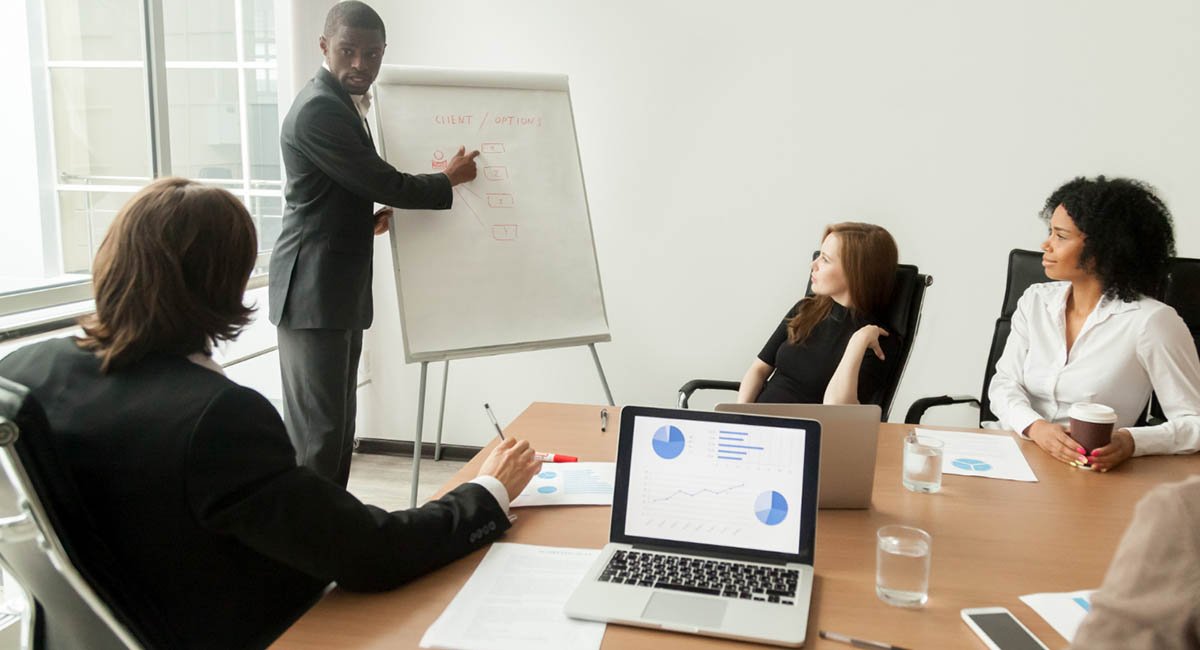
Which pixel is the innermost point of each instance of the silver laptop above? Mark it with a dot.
(713, 524)
(849, 440)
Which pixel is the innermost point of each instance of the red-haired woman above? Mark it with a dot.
(830, 348)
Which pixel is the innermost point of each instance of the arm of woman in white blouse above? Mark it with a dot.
(753, 380)
(1009, 400)
(843, 386)
(1168, 353)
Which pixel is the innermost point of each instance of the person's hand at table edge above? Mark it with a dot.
(1117, 451)
(1055, 440)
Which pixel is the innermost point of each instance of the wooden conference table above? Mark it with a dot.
(993, 541)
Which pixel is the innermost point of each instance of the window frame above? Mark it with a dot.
(54, 295)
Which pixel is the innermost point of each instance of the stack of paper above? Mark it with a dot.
(514, 601)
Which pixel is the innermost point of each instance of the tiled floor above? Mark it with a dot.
(385, 481)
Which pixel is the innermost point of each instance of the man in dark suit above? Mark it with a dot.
(178, 491)
(320, 273)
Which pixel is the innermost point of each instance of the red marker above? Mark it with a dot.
(554, 458)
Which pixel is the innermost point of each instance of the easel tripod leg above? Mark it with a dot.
(416, 466)
(437, 447)
(603, 379)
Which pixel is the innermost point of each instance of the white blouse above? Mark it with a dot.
(1124, 351)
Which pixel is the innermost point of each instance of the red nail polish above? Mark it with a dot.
(1080, 450)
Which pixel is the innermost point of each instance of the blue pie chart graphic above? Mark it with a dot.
(668, 442)
(547, 489)
(547, 475)
(770, 508)
(970, 464)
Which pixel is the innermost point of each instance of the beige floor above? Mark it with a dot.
(385, 481)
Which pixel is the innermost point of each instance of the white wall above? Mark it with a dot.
(718, 140)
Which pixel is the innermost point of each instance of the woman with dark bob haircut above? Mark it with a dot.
(1096, 335)
(201, 530)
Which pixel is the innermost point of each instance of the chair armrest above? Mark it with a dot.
(918, 408)
(686, 390)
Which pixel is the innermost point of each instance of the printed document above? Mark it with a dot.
(981, 454)
(514, 601)
(1064, 612)
(562, 484)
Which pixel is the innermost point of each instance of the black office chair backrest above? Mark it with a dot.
(903, 318)
(1024, 270)
(46, 530)
(1182, 291)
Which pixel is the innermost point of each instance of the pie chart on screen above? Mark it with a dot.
(771, 508)
(668, 442)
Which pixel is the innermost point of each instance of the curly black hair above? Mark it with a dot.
(1129, 234)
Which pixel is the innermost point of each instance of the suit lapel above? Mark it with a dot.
(325, 78)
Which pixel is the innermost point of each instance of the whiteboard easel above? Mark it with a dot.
(511, 267)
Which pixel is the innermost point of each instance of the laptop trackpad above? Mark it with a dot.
(685, 610)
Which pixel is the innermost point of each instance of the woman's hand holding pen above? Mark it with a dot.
(513, 463)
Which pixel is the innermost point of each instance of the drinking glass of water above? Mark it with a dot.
(922, 464)
(902, 556)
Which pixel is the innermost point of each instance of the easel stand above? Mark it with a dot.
(437, 447)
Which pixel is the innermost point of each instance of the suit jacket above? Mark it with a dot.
(201, 527)
(320, 271)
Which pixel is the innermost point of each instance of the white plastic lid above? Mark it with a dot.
(1091, 412)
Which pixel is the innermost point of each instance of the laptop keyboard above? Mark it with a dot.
(700, 576)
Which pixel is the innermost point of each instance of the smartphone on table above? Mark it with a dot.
(1000, 630)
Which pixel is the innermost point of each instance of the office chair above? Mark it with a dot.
(65, 610)
(1024, 270)
(1182, 292)
(903, 319)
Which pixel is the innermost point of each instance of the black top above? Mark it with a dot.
(802, 371)
(202, 529)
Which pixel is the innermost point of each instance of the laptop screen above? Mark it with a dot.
(718, 481)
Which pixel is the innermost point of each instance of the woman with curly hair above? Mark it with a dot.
(1096, 335)
(830, 348)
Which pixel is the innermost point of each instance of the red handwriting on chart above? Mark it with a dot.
(500, 200)
(439, 160)
(495, 173)
(453, 119)
(517, 120)
(504, 231)
(492, 147)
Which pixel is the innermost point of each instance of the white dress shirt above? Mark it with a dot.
(1124, 351)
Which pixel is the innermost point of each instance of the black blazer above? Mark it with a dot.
(320, 271)
(218, 539)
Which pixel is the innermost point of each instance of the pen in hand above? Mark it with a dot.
(492, 417)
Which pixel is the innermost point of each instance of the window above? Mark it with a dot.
(124, 91)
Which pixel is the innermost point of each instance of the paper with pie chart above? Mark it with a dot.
(981, 454)
(721, 484)
(561, 484)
